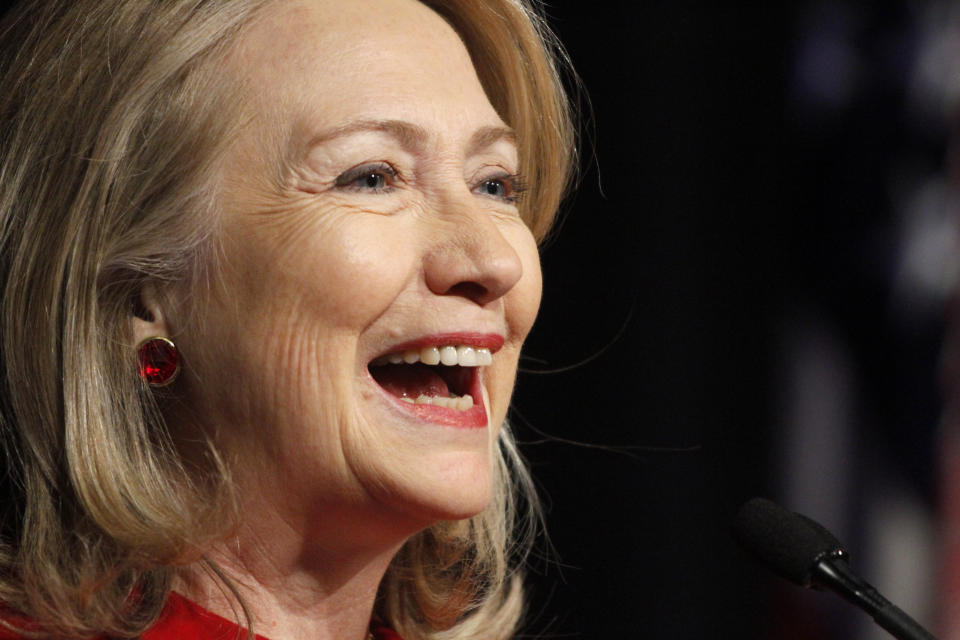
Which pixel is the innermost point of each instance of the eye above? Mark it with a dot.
(507, 187)
(378, 177)
(496, 188)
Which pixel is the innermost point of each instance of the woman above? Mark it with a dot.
(266, 269)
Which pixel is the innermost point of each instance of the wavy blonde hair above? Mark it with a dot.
(112, 120)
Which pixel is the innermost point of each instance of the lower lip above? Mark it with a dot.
(473, 418)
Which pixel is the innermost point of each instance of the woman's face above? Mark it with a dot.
(369, 216)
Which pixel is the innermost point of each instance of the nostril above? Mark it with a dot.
(470, 290)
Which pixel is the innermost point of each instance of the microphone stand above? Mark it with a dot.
(833, 573)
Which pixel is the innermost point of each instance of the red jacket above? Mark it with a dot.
(183, 619)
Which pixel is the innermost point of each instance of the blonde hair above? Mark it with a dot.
(111, 123)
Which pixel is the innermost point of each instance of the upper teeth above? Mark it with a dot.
(448, 355)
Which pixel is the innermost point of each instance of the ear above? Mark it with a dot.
(147, 316)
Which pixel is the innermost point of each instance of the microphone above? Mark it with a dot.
(796, 548)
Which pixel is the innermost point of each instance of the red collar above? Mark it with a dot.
(381, 632)
(183, 618)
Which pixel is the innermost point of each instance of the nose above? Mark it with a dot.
(472, 258)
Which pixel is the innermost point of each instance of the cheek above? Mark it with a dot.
(338, 274)
(521, 304)
(523, 301)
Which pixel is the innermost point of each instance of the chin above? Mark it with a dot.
(453, 487)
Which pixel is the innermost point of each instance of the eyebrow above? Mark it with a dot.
(486, 136)
(412, 136)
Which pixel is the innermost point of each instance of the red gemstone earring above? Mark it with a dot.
(158, 361)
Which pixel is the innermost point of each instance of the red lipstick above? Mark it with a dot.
(402, 382)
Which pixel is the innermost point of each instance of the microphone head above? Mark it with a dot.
(790, 544)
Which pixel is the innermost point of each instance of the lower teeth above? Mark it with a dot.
(461, 403)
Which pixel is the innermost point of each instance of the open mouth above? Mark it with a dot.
(442, 376)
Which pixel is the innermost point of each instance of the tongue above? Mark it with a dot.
(410, 380)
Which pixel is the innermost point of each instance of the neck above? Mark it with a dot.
(292, 592)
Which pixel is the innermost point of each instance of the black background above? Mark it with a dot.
(671, 257)
(710, 206)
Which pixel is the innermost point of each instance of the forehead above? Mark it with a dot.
(360, 58)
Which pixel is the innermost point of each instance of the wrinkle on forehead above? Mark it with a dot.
(276, 42)
(301, 52)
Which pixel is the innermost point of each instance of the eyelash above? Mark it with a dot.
(349, 179)
(512, 182)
